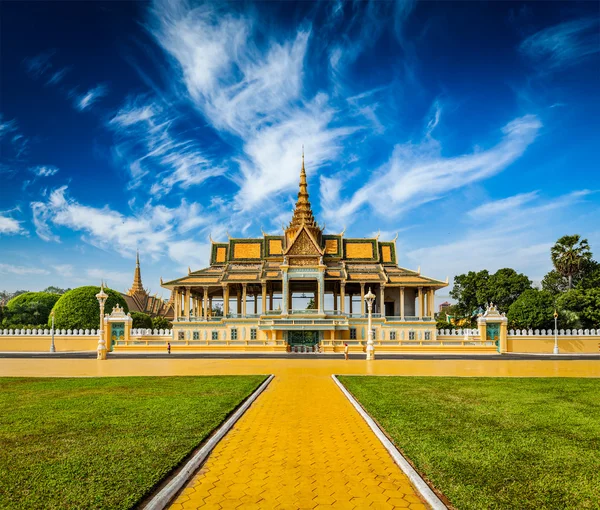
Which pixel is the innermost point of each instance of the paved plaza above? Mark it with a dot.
(301, 444)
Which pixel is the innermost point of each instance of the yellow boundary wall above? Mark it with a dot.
(534, 344)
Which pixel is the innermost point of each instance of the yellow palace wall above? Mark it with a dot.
(544, 344)
(28, 343)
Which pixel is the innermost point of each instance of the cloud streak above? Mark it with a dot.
(85, 101)
(563, 45)
(418, 173)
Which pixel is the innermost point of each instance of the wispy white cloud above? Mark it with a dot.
(19, 145)
(40, 64)
(563, 45)
(9, 225)
(64, 270)
(252, 91)
(57, 77)
(149, 146)
(516, 232)
(85, 101)
(418, 173)
(21, 270)
(44, 170)
(152, 229)
(503, 205)
(110, 277)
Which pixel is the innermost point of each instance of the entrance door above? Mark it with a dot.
(492, 331)
(308, 338)
(117, 333)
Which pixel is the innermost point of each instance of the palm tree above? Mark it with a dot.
(568, 255)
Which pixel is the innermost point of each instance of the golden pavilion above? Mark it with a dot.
(301, 291)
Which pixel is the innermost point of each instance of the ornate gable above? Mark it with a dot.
(304, 245)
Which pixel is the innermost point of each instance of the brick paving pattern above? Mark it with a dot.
(300, 445)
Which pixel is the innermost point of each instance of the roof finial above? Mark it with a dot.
(137, 257)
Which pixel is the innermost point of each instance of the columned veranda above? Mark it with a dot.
(268, 298)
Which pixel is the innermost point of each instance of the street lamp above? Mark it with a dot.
(555, 332)
(369, 298)
(52, 347)
(101, 297)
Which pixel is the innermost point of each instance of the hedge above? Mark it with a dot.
(29, 308)
(78, 308)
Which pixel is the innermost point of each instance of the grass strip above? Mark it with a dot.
(527, 443)
(104, 442)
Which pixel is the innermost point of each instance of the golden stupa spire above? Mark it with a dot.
(303, 214)
(137, 277)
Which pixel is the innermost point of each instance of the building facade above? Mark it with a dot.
(139, 300)
(303, 290)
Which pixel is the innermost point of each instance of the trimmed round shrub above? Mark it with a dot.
(29, 308)
(141, 320)
(78, 308)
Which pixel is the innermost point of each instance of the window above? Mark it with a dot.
(180, 335)
(196, 335)
(234, 333)
(427, 335)
(392, 335)
(411, 335)
(352, 333)
(215, 335)
(252, 333)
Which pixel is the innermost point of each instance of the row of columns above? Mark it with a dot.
(187, 304)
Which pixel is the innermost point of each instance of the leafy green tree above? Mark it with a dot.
(55, 290)
(475, 289)
(555, 283)
(161, 323)
(79, 308)
(585, 304)
(141, 320)
(533, 309)
(568, 255)
(30, 308)
(590, 276)
(505, 286)
(311, 305)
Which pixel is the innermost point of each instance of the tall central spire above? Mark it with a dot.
(137, 277)
(303, 214)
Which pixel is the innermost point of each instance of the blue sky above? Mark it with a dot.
(469, 129)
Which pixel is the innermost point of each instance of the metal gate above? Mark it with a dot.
(308, 338)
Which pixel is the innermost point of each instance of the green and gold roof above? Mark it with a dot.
(255, 260)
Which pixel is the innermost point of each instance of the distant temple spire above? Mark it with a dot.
(137, 277)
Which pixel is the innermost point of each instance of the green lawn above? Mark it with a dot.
(104, 442)
(494, 442)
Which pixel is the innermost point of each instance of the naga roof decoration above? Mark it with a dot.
(256, 260)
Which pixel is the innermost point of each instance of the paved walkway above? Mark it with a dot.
(300, 445)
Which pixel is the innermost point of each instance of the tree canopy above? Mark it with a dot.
(475, 289)
(79, 309)
(141, 320)
(533, 309)
(29, 309)
(568, 256)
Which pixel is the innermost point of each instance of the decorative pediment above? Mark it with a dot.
(304, 245)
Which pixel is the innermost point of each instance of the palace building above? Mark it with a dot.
(139, 300)
(302, 290)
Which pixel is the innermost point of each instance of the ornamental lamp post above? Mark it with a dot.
(52, 347)
(369, 298)
(101, 297)
(555, 332)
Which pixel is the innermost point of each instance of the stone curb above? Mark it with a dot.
(418, 482)
(169, 491)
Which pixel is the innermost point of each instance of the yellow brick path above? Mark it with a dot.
(300, 445)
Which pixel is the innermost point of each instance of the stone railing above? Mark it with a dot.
(48, 332)
(458, 332)
(151, 332)
(550, 332)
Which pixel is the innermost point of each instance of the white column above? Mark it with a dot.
(381, 300)
(362, 298)
(421, 302)
(243, 300)
(402, 303)
(205, 302)
(342, 296)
